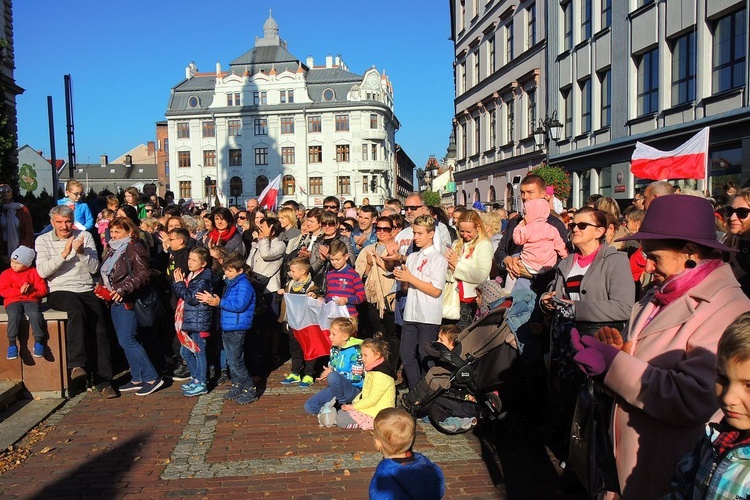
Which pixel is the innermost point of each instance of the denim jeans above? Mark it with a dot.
(16, 311)
(126, 328)
(339, 387)
(234, 346)
(414, 336)
(196, 361)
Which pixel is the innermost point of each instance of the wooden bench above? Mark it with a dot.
(42, 377)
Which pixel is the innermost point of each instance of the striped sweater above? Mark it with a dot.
(345, 282)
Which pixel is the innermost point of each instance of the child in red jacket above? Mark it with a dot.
(23, 289)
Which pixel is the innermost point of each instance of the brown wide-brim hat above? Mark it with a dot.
(680, 217)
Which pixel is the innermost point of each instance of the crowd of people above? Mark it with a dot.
(634, 297)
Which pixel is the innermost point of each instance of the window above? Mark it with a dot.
(683, 69)
(183, 159)
(344, 186)
(729, 52)
(364, 152)
(365, 184)
(585, 19)
(531, 111)
(493, 127)
(374, 152)
(490, 56)
(233, 99)
(648, 82)
(209, 128)
(314, 124)
(476, 67)
(290, 96)
(260, 97)
(235, 186)
(585, 86)
(605, 81)
(193, 101)
(288, 185)
(260, 184)
(462, 75)
(568, 106)
(463, 139)
(282, 96)
(477, 135)
(328, 95)
(260, 126)
(316, 185)
(261, 156)
(183, 130)
(509, 41)
(342, 152)
(185, 189)
(209, 158)
(315, 154)
(606, 13)
(235, 157)
(342, 123)
(510, 120)
(568, 26)
(166, 146)
(234, 127)
(373, 120)
(530, 25)
(287, 124)
(287, 156)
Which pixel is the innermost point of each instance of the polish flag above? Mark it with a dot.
(310, 321)
(688, 161)
(267, 198)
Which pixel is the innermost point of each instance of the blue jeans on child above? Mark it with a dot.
(234, 347)
(339, 387)
(196, 361)
(126, 328)
(16, 311)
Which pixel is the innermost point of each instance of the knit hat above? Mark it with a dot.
(24, 255)
(492, 293)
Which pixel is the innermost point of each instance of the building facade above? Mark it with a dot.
(323, 129)
(655, 72)
(499, 80)
(10, 91)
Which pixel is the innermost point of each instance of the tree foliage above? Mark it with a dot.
(556, 177)
(431, 198)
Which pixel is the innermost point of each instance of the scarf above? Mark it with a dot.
(117, 249)
(678, 284)
(221, 238)
(10, 224)
(179, 316)
(585, 261)
(300, 286)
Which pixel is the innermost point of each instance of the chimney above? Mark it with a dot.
(329, 61)
(338, 61)
(128, 161)
(151, 147)
(104, 161)
(310, 62)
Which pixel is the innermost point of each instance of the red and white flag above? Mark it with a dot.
(310, 321)
(267, 198)
(688, 161)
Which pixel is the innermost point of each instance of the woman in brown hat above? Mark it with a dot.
(661, 369)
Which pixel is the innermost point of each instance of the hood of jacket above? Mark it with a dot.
(536, 210)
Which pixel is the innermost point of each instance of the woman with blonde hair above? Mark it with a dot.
(614, 229)
(469, 263)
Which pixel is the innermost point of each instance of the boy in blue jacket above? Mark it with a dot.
(74, 195)
(237, 306)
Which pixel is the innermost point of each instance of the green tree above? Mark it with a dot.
(431, 198)
(556, 177)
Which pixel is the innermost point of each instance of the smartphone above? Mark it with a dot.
(559, 302)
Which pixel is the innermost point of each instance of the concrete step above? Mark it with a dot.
(9, 392)
(22, 416)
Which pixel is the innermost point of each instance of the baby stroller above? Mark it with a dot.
(467, 382)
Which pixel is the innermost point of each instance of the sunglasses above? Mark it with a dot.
(412, 208)
(346, 228)
(580, 225)
(149, 210)
(241, 218)
(328, 224)
(742, 213)
(334, 207)
(381, 228)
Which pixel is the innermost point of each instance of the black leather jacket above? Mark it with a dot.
(127, 283)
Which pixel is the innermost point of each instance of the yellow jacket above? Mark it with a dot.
(378, 391)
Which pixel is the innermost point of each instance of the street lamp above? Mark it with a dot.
(549, 128)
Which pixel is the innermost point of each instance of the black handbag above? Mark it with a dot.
(591, 453)
(148, 306)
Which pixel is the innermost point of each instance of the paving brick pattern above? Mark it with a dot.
(169, 446)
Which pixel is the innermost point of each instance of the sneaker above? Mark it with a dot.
(306, 382)
(131, 386)
(189, 385)
(233, 392)
(181, 373)
(149, 387)
(38, 350)
(198, 389)
(246, 397)
(291, 379)
(12, 351)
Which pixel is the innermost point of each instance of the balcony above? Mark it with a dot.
(374, 134)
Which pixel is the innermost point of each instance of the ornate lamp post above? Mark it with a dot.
(549, 128)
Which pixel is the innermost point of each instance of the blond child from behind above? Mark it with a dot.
(402, 474)
(378, 391)
(719, 466)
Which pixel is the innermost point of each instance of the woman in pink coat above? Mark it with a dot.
(661, 370)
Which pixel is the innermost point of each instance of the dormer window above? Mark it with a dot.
(193, 101)
(328, 95)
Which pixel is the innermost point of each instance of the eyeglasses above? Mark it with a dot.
(328, 224)
(77, 193)
(331, 207)
(580, 225)
(149, 210)
(6, 190)
(742, 213)
(381, 228)
(412, 208)
(241, 218)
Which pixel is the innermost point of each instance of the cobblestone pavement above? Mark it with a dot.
(169, 446)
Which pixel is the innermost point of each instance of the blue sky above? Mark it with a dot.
(124, 57)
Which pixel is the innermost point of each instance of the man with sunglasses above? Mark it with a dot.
(331, 204)
(16, 228)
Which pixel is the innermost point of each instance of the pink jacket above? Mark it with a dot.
(665, 388)
(541, 241)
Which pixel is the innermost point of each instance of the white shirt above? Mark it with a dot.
(441, 240)
(426, 265)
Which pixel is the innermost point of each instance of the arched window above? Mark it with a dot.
(477, 197)
(492, 197)
(288, 185)
(466, 200)
(235, 187)
(510, 201)
(260, 184)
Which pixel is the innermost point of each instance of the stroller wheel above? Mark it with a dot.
(495, 401)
